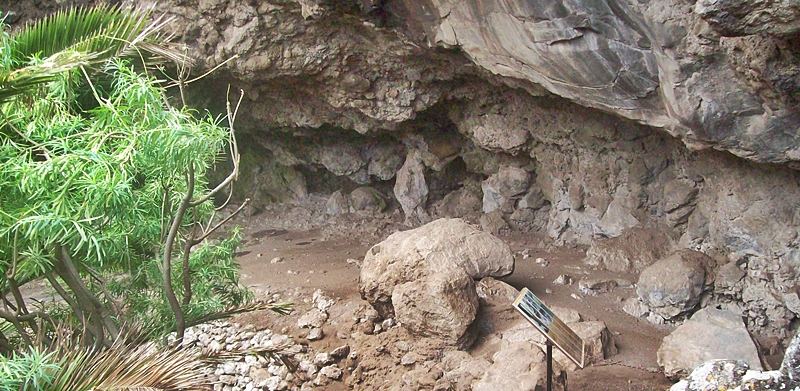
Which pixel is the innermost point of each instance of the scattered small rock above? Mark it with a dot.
(313, 318)
(322, 302)
(596, 286)
(388, 323)
(563, 279)
(331, 372)
(275, 260)
(322, 359)
(352, 261)
(315, 334)
(340, 352)
(542, 262)
(634, 307)
(409, 359)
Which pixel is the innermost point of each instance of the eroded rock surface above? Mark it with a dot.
(736, 375)
(646, 61)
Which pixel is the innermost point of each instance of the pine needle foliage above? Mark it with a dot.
(97, 181)
(94, 164)
(102, 181)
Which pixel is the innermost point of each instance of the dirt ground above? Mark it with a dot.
(315, 259)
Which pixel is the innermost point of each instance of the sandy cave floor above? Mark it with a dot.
(314, 259)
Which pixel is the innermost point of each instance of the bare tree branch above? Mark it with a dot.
(235, 156)
(221, 223)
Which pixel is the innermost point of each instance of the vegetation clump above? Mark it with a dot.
(103, 196)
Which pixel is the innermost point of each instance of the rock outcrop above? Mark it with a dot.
(664, 64)
(338, 97)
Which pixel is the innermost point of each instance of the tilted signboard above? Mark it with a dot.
(553, 328)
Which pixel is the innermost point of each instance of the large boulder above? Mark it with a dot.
(424, 275)
(461, 370)
(459, 203)
(672, 286)
(516, 367)
(729, 375)
(599, 341)
(442, 305)
(337, 204)
(710, 334)
(366, 200)
(341, 158)
(384, 161)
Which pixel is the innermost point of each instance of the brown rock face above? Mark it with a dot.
(647, 61)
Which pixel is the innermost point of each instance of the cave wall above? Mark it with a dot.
(587, 121)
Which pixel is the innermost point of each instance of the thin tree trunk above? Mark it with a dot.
(14, 320)
(97, 318)
(14, 288)
(69, 299)
(22, 309)
(187, 277)
(166, 265)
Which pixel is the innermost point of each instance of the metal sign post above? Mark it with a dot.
(555, 331)
(549, 365)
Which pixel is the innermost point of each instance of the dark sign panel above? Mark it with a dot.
(555, 330)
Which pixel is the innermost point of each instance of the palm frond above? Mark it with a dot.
(258, 305)
(82, 37)
(127, 366)
(30, 77)
(106, 30)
